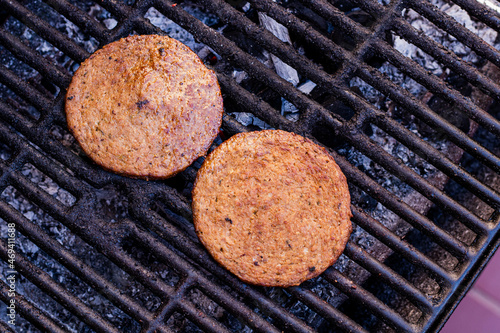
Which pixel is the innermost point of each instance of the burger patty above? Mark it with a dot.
(144, 106)
(272, 207)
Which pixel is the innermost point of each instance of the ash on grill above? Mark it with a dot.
(115, 207)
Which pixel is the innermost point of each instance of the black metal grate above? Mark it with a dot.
(99, 252)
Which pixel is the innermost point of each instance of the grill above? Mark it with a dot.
(86, 250)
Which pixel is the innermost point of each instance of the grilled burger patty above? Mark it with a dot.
(144, 106)
(272, 207)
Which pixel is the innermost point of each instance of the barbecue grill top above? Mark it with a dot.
(107, 253)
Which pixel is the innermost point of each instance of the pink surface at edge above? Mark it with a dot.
(479, 310)
(489, 280)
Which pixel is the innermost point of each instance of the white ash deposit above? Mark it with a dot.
(115, 205)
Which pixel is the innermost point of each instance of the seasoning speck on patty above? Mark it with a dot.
(272, 207)
(144, 106)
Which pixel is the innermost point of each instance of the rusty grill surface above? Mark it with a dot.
(99, 252)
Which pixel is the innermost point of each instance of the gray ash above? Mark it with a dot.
(113, 205)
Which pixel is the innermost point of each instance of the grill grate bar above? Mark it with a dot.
(448, 24)
(25, 90)
(245, 99)
(158, 287)
(76, 266)
(340, 20)
(391, 201)
(457, 173)
(45, 30)
(402, 209)
(83, 20)
(265, 38)
(473, 76)
(434, 84)
(30, 312)
(221, 297)
(289, 54)
(9, 114)
(126, 262)
(326, 310)
(394, 242)
(5, 327)
(15, 162)
(366, 36)
(43, 281)
(253, 306)
(375, 8)
(378, 155)
(157, 324)
(231, 126)
(40, 197)
(58, 151)
(284, 52)
(32, 155)
(122, 260)
(432, 48)
(364, 297)
(456, 64)
(437, 87)
(169, 307)
(484, 13)
(119, 9)
(74, 186)
(33, 59)
(201, 319)
(394, 280)
(129, 18)
(334, 52)
(155, 284)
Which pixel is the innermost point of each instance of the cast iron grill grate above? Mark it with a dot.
(99, 252)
